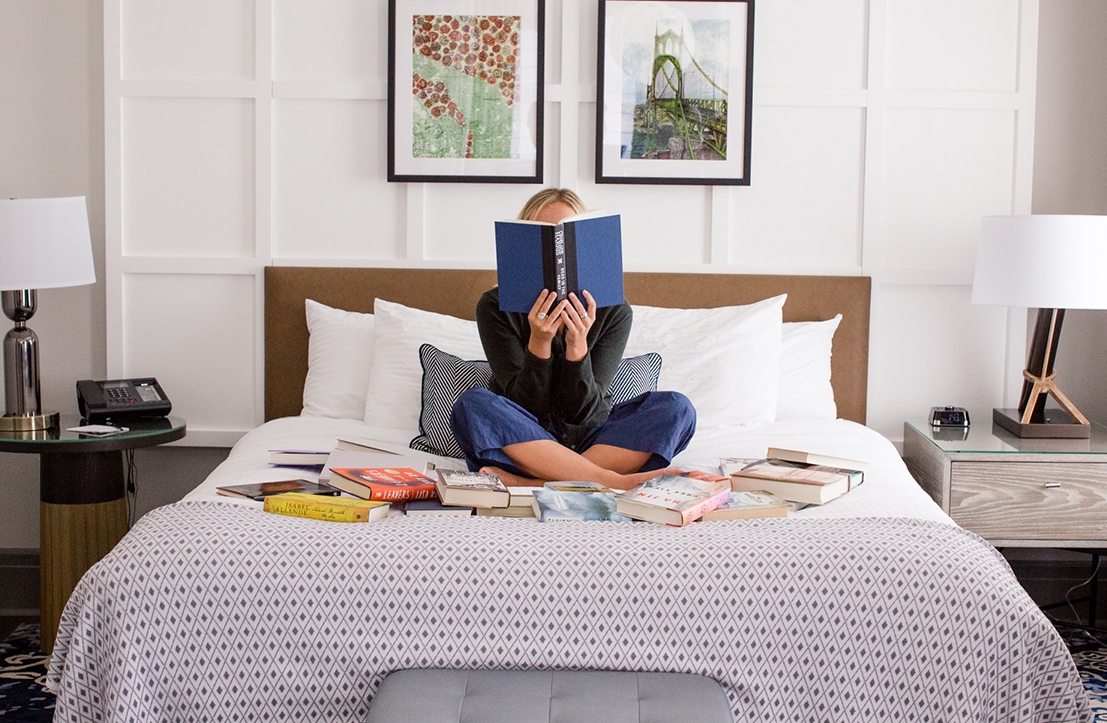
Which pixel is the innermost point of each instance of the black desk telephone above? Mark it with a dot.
(121, 399)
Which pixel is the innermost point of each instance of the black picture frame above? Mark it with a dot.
(475, 109)
(647, 98)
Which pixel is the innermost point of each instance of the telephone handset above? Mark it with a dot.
(121, 399)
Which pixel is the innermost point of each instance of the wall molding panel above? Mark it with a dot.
(268, 147)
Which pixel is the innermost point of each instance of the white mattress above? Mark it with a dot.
(888, 490)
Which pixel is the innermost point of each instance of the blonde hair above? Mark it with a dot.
(547, 196)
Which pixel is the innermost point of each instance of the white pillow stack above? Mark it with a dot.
(804, 388)
(725, 360)
(340, 344)
(740, 365)
(395, 374)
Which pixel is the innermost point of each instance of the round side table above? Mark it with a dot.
(83, 505)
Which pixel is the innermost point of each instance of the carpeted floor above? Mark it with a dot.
(23, 696)
(24, 699)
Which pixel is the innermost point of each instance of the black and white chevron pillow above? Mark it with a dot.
(635, 375)
(446, 377)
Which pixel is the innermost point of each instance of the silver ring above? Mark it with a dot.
(541, 315)
(584, 316)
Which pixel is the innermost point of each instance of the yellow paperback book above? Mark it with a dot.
(333, 509)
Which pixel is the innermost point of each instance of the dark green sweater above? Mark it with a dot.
(568, 398)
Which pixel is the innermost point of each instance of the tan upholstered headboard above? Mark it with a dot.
(455, 292)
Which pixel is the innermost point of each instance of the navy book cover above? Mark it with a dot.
(580, 253)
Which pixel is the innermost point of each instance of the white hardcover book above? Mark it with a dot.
(826, 460)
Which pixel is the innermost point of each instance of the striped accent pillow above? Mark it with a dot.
(635, 375)
(446, 377)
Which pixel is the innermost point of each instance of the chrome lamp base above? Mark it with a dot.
(22, 390)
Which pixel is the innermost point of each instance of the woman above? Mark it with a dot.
(548, 413)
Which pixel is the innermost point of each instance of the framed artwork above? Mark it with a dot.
(674, 92)
(465, 91)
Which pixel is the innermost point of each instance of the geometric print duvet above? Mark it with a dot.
(208, 611)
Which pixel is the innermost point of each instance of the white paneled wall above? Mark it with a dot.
(241, 133)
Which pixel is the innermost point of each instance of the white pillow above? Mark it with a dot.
(395, 375)
(340, 344)
(725, 360)
(805, 391)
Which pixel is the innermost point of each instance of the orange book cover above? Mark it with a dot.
(391, 484)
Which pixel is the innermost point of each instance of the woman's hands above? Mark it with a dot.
(544, 324)
(546, 321)
(578, 320)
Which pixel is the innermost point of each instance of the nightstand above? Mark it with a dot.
(83, 507)
(1014, 492)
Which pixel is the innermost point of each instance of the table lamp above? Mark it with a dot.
(44, 244)
(1050, 263)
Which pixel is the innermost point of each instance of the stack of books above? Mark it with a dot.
(520, 504)
(460, 493)
(795, 475)
(471, 489)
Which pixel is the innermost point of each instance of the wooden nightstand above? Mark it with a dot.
(1014, 492)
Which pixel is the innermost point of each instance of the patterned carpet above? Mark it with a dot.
(23, 695)
(24, 699)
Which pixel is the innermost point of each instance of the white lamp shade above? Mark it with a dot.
(45, 243)
(1043, 262)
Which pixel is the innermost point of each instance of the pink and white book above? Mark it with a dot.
(674, 500)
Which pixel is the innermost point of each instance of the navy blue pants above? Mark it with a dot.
(661, 423)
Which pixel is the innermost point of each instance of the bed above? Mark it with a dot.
(875, 606)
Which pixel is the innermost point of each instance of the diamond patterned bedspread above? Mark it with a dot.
(207, 611)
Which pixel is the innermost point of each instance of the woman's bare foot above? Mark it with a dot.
(513, 480)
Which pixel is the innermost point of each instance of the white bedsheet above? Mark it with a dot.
(888, 490)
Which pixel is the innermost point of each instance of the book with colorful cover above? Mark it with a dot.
(674, 499)
(331, 509)
(796, 481)
(582, 252)
(749, 505)
(261, 490)
(392, 484)
(555, 505)
(471, 489)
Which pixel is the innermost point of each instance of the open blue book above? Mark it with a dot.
(583, 252)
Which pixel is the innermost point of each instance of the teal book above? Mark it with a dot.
(551, 504)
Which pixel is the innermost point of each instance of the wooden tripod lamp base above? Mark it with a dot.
(1032, 419)
(1064, 423)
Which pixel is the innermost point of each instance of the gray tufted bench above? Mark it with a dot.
(543, 696)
